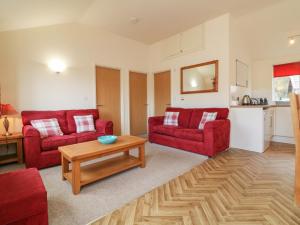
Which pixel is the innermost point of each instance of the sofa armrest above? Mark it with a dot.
(154, 121)
(30, 131)
(104, 126)
(32, 146)
(216, 136)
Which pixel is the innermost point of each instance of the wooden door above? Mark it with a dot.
(162, 92)
(295, 108)
(108, 96)
(138, 103)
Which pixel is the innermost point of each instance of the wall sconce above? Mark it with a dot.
(57, 66)
(292, 39)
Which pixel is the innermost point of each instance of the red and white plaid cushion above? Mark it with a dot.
(47, 127)
(171, 118)
(207, 116)
(84, 123)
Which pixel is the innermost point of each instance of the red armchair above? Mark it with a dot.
(23, 198)
(212, 139)
(42, 153)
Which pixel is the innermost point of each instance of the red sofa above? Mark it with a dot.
(212, 139)
(42, 153)
(23, 198)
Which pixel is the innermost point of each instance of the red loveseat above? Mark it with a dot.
(212, 139)
(42, 153)
(23, 198)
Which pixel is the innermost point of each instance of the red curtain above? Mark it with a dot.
(288, 69)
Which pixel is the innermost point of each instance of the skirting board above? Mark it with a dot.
(283, 139)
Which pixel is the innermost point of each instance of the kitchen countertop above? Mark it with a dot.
(258, 106)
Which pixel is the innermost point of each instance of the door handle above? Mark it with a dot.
(100, 105)
(168, 104)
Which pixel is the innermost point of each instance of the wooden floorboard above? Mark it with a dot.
(235, 188)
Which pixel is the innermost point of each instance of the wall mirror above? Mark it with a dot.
(241, 74)
(200, 78)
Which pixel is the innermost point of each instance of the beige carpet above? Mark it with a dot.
(102, 197)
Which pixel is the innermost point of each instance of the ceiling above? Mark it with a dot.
(267, 30)
(158, 19)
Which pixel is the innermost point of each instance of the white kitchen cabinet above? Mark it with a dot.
(251, 127)
(171, 46)
(188, 41)
(192, 40)
(283, 127)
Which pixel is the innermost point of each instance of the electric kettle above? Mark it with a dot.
(246, 100)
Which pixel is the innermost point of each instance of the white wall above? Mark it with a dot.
(28, 84)
(239, 50)
(262, 86)
(216, 47)
(263, 74)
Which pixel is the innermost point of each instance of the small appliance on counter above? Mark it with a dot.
(246, 100)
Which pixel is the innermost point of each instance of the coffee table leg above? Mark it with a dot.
(64, 166)
(126, 153)
(142, 155)
(76, 177)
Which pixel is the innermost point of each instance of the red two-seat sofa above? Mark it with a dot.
(43, 152)
(212, 139)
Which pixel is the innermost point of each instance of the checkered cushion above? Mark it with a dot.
(47, 127)
(84, 123)
(171, 118)
(207, 116)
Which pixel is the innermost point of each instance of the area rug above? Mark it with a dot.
(235, 188)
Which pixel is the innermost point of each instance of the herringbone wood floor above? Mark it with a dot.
(236, 187)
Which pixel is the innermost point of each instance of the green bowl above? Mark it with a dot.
(107, 139)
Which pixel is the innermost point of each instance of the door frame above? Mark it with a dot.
(148, 114)
(171, 99)
(121, 93)
(95, 79)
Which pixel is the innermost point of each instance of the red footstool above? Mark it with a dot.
(23, 198)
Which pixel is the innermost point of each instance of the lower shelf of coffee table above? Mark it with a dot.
(96, 171)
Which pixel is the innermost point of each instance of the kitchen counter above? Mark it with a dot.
(258, 106)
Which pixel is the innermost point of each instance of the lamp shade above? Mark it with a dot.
(7, 110)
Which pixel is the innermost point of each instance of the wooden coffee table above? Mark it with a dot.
(82, 152)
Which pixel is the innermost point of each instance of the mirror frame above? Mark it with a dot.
(215, 89)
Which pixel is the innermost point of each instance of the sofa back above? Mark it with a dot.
(65, 117)
(222, 113)
(190, 118)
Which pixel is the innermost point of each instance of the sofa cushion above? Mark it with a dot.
(164, 129)
(222, 113)
(22, 195)
(87, 136)
(206, 117)
(47, 127)
(52, 143)
(171, 118)
(189, 134)
(84, 123)
(71, 113)
(184, 115)
(27, 116)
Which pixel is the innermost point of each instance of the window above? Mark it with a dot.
(286, 80)
(283, 86)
